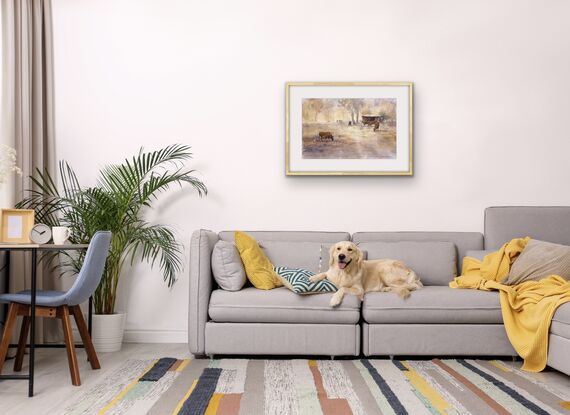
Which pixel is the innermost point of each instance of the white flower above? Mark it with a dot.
(7, 162)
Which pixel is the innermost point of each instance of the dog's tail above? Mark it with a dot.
(403, 292)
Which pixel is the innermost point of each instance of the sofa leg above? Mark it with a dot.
(211, 356)
(514, 358)
(391, 357)
(332, 357)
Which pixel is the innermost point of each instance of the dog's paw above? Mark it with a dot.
(335, 301)
(314, 278)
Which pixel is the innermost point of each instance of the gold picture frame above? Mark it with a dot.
(303, 160)
(16, 225)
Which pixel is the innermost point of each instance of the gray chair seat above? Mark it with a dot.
(280, 305)
(433, 305)
(43, 298)
(561, 321)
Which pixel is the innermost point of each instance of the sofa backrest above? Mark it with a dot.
(293, 248)
(435, 256)
(548, 223)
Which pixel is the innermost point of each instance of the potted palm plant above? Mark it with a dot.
(116, 203)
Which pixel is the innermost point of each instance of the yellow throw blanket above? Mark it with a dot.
(527, 308)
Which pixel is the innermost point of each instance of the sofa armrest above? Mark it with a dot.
(201, 246)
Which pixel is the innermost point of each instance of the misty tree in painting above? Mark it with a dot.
(349, 128)
(353, 106)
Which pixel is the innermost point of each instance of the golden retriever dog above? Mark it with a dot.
(352, 275)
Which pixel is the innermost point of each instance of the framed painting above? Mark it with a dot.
(348, 128)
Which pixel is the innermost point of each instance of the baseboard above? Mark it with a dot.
(156, 336)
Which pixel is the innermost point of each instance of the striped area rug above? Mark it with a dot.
(308, 387)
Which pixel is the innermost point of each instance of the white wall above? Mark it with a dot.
(492, 95)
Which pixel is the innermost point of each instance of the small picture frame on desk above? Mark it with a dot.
(16, 225)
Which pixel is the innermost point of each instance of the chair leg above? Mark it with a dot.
(8, 328)
(85, 337)
(22, 344)
(70, 346)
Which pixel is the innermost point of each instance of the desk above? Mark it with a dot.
(34, 249)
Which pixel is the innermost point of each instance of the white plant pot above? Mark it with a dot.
(107, 332)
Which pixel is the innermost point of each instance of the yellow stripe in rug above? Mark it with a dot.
(500, 366)
(565, 405)
(184, 398)
(214, 404)
(425, 389)
(122, 394)
(183, 365)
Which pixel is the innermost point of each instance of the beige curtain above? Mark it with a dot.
(28, 113)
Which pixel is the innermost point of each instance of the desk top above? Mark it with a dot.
(41, 247)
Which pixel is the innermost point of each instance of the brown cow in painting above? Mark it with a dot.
(325, 136)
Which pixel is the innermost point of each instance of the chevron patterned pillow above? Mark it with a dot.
(297, 280)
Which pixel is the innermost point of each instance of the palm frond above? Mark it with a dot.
(115, 203)
(157, 243)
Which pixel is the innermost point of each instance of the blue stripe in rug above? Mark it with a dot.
(385, 389)
(158, 370)
(511, 392)
(200, 397)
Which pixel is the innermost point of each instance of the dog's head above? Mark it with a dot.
(345, 254)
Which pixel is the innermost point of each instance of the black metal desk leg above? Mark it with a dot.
(33, 322)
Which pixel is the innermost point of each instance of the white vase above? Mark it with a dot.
(107, 332)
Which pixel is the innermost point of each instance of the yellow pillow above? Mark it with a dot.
(258, 267)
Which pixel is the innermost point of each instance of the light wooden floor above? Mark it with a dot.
(53, 388)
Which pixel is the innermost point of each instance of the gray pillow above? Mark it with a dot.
(227, 267)
(538, 260)
(434, 262)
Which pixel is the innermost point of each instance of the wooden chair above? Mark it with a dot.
(61, 305)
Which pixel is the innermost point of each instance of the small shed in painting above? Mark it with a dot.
(373, 119)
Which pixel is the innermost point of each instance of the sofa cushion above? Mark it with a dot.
(479, 254)
(539, 260)
(463, 241)
(433, 305)
(227, 266)
(561, 321)
(434, 262)
(289, 254)
(294, 249)
(280, 306)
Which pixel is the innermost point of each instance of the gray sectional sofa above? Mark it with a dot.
(435, 320)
